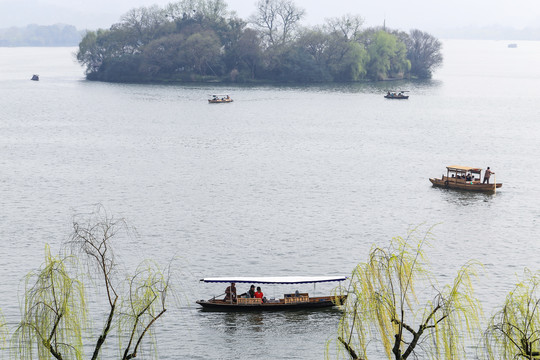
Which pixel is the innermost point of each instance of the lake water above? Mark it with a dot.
(284, 181)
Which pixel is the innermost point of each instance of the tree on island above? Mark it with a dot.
(55, 314)
(201, 40)
(276, 21)
(424, 53)
(387, 56)
(384, 300)
(514, 331)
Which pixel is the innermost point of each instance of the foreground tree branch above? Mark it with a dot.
(385, 304)
(55, 312)
(514, 331)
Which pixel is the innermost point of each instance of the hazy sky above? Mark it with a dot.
(427, 15)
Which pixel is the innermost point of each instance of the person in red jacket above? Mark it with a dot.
(258, 293)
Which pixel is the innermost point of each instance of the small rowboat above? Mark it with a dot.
(220, 99)
(464, 178)
(290, 301)
(396, 95)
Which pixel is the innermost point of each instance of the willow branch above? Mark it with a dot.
(134, 353)
(349, 349)
(105, 332)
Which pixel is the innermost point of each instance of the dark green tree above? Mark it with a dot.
(90, 54)
(424, 53)
(245, 54)
(315, 44)
(200, 52)
(161, 57)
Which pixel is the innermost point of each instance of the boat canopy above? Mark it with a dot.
(275, 279)
(463, 168)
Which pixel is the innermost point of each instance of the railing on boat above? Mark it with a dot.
(249, 301)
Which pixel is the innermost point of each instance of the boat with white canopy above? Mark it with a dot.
(290, 301)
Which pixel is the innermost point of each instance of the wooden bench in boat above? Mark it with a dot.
(294, 298)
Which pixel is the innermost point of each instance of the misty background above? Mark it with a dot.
(481, 19)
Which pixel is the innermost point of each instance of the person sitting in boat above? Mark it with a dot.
(469, 177)
(250, 293)
(259, 294)
(230, 293)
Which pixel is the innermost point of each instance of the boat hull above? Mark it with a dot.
(313, 303)
(403, 97)
(219, 101)
(459, 184)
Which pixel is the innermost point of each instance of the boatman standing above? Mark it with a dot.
(487, 174)
(230, 293)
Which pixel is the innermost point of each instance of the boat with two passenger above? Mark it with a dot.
(396, 94)
(294, 300)
(220, 99)
(464, 178)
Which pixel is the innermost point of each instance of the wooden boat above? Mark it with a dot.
(396, 95)
(290, 301)
(220, 99)
(464, 178)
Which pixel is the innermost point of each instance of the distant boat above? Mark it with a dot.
(219, 99)
(512, 46)
(35, 77)
(397, 95)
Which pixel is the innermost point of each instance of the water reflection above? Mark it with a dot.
(417, 86)
(233, 323)
(465, 198)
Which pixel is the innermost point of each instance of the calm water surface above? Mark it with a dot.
(285, 180)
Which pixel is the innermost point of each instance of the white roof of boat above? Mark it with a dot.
(464, 168)
(274, 279)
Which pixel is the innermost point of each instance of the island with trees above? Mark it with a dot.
(203, 41)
